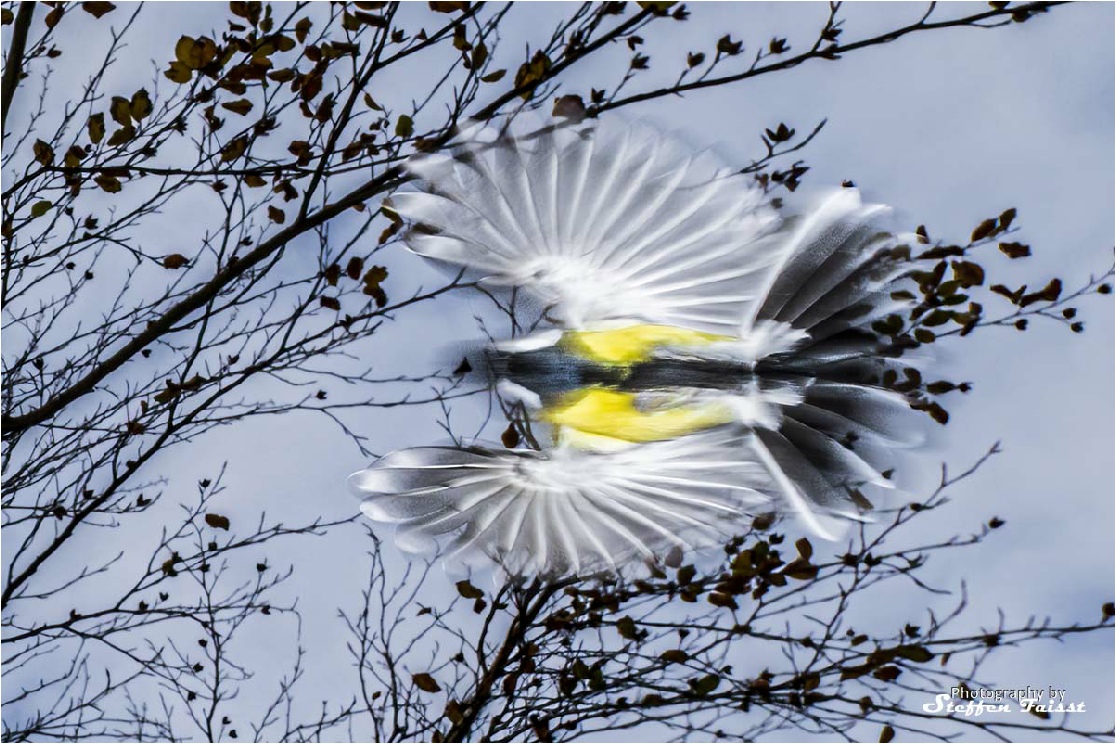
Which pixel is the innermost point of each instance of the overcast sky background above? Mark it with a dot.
(949, 128)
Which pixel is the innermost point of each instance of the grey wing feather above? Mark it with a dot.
(842, 431)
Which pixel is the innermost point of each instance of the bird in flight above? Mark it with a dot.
(705, 354)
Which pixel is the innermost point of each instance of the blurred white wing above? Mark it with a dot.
(608, 222)
(566, 510)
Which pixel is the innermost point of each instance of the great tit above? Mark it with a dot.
(710, 354)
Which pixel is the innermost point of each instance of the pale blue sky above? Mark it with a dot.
(948, 128)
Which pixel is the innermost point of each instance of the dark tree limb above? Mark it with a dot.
(13, 65)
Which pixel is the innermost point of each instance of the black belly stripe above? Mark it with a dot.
(656, 374)
(551, 372)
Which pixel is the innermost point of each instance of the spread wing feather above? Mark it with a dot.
(613, 222)
(565, 510)
(843, 430)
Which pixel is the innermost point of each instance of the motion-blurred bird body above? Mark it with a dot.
(710, 358)
(621, 383)
(636, 383)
